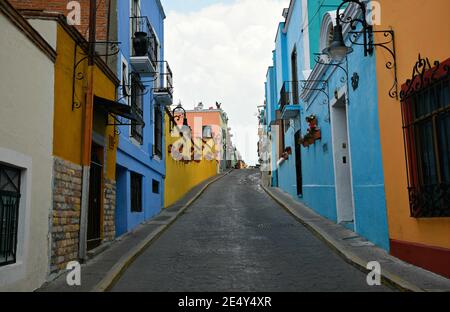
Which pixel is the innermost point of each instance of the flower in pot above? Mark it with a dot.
(312, 121)
(140, 43)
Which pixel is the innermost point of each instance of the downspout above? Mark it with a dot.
(87, 132)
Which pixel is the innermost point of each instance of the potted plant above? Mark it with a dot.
(140, 43)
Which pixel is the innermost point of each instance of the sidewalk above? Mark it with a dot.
(99, 273)
(359, 252)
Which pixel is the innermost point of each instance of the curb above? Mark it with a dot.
(351, 258)
(124, 263)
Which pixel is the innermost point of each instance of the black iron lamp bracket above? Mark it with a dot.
(318, 59)
(389, 46)
(78, 75)
(368, 39)
(316, 85)
(319, 86)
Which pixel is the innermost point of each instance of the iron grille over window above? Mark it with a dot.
(426, 124)
(9, 213)
(136, 192)
(137, 91)
(158, 132)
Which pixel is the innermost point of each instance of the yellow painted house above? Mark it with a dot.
(184, 175)
(72, 232)
(416, 158)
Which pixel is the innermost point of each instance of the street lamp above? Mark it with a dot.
(177, 116)
(337, 49)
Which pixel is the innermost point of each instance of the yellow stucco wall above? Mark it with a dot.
(182, 177)
(68, 124)
(419, 28)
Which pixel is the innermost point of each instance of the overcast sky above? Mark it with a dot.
(220, 51)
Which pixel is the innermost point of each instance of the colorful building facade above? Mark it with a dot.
(146, 85)
(417, 178)
(73, 226)
(346, 144)
(26, 149)
(183, 174)
(317, 125)
(74, 231)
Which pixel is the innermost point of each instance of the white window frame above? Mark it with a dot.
(13, 273)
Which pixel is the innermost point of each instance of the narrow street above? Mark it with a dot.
(236, 238)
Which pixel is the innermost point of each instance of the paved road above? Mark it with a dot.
(236, 238)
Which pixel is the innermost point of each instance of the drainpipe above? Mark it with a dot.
(87, 132)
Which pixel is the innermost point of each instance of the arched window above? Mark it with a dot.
(326, 30)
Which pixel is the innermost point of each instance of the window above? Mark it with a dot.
(137, 90)
(426, 115)
(158, 132)
(207, 132)
(155, 187)
(136, 192)
(9, 213)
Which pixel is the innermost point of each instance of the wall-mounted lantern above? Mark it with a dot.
(338, 50)
(178, 113)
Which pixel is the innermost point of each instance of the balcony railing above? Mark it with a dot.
(145, 43)
(164, 85)
(165, 80)
(289, 94)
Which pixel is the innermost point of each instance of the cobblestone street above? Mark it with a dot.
(236, 238)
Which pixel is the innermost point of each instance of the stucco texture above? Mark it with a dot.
(427, 35)
(27, 125)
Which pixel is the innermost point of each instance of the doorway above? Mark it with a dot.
(298, 163)
(342, 165)
(95, 198)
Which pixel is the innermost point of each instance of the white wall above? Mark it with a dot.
(26, 137)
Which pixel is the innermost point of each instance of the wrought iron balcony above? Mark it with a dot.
(163, 90)
(144, 56)
(289, 96)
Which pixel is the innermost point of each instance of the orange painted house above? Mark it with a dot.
(415, 131)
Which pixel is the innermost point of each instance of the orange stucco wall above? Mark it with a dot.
(420, 27)
(209, 118)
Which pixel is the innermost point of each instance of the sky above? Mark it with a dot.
(220, 51)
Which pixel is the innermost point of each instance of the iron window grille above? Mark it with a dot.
(9, 214)
(137, 89)
(158, 132)
(426, 125)
(136, 192)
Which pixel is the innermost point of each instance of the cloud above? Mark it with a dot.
(221, 53)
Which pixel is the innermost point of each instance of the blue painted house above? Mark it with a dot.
(146, 85)
(339, 174)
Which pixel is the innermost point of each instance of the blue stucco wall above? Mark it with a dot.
(132, 157)
(319, 189)
(365, 150)
(365, 145)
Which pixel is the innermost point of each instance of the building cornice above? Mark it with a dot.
(22, 24)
